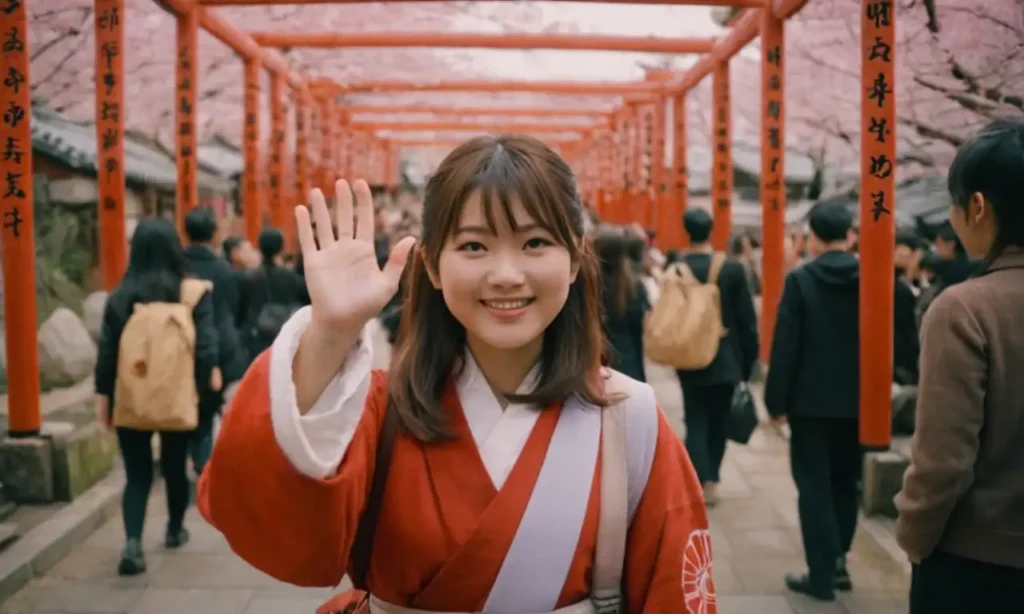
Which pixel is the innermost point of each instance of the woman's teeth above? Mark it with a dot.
(507, 305)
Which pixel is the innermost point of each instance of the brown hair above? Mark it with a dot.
(431, 341)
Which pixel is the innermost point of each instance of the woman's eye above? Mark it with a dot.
(537, 242)
(471, 246)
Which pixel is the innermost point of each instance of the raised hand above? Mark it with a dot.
(346, 286)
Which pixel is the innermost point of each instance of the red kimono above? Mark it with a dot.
(287, 492)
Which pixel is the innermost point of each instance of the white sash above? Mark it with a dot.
(537, 562)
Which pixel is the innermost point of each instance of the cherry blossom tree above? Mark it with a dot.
(959, 63)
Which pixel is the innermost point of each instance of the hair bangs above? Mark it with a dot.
(503, 171)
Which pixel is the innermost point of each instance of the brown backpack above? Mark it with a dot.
(684, 329)
(156, 383)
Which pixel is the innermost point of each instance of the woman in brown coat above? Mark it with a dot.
(962, 504)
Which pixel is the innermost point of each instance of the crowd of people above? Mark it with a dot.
(514, 298)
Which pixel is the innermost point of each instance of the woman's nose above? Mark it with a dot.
(506, 271)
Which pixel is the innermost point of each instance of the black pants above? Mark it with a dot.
(137, 454)
(945, 582)
(825, 459)
(705, 413)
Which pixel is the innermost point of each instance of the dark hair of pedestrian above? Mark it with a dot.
(271, 243)
(431, 342)
(230, 245)
(201, 225)
(830, 221)
(156, 264)
(698, 224)
(992, 163)
(618, 280)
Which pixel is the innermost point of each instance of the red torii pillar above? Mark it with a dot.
(110, 111)
(660, 208)
(877, 225)
(252, 206)
(680, 192)
(277, 150)
(773, 169)
(328, 161)
(185, 114)
(18, 228)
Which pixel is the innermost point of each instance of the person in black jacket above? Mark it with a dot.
(625, 302)
(200, 228)
(270, 293)
(156, 268)
(708, 392)
(813, 379)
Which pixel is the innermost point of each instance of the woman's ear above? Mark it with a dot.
(435, 280)
(977, 208)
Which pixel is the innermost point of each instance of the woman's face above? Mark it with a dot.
(504, 287)
(975, 225)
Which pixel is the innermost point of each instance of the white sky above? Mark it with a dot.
(596, 18)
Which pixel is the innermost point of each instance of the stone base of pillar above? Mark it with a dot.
(883, 478)
(72, 453)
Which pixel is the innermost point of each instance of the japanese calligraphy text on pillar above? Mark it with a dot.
(878, 106)
(772, 117)
(251, 126)
(109, 97)
(188, 28)
(679, 144)
(722, 174)
(15, 137)
(647, 166)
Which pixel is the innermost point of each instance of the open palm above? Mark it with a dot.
(346, 286)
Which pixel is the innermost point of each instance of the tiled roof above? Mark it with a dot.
(74, 144)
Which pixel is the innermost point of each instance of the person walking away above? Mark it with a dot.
(156, 273)
(271, 293)
(708, 392)
(813, 383)
(624, 302)
(204, 263)
(961, 509)
(489, 418)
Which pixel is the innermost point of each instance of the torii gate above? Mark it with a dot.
(614, 153)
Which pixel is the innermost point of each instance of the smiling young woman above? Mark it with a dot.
(521, 476)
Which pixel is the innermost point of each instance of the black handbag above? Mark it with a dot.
(743, 418)
(271, 316)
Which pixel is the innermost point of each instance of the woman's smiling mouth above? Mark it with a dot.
(507, 308)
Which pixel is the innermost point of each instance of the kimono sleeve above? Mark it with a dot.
(287, 491)
(668, 552)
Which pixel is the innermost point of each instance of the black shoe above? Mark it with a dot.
(132, 561)
(176, 539)
(843, 582)
(801, 583)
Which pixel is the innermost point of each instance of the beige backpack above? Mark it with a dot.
(684, 329)
(156, 384)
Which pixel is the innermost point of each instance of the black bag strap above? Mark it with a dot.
(362, 545)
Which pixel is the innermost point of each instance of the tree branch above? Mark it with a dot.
(931, 132)
(968, 101)
(960, 72)
(68, 33)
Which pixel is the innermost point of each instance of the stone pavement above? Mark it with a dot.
(755, 540)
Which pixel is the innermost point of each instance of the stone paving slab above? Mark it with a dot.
(754, 533)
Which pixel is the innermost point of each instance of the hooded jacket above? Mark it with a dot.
(814, 370)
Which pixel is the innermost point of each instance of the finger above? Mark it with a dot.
(305, 231)
(396, 261)
(322, 217)
(343, 206)
(364, 211)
